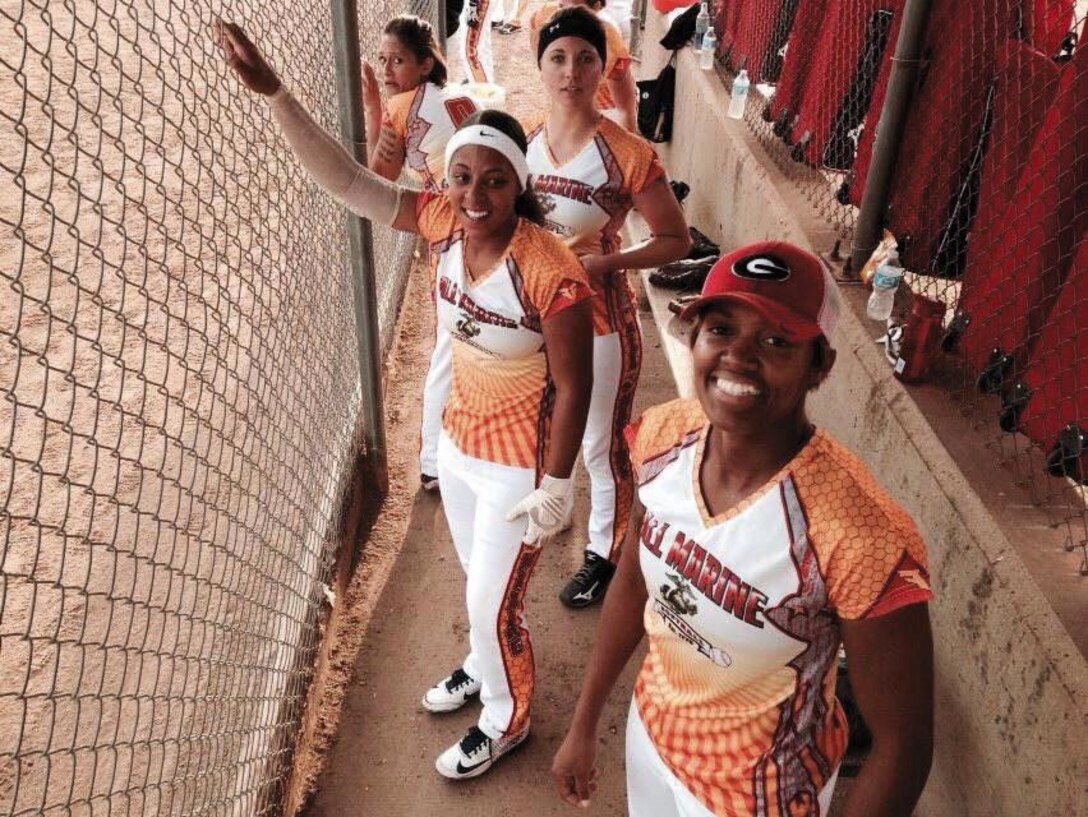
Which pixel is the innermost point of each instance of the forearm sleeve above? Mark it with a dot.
(363, 192)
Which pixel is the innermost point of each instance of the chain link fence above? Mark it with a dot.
(988, 200)
(180, 399)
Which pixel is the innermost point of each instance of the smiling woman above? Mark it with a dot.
(515, 302)
(758, 545)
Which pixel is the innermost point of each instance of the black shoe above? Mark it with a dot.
(684, 274)
(680, 189)
(701, 246)
(589, 583)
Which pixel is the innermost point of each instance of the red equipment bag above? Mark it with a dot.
(1022, 89)
(848, 31)
(745, 44)
(1050, 403)
(802, 44)
(1016, 267)
(944, 124)
(1046, 23)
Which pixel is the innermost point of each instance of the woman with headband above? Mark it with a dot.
(591, 173)
(516, 303)
(412, 130)
(617, 95)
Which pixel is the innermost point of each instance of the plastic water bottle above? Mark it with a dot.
(710, 46)
(702, 23)
(885, 283)
(739, 95)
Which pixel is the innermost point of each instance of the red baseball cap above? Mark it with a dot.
(786, 284)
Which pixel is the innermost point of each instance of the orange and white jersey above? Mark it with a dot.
(738, 688)
(500, 402)
(425, 119)
(617, 55)
(587, 199)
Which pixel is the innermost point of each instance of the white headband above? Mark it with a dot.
(495, 139)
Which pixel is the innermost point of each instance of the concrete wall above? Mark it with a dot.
(1012, 688)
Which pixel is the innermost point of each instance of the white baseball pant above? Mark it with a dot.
(436, 390)
(476, 496)
(654, 791)
(617, 360)
(471, 43)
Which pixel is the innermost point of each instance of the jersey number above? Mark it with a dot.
(460, 108)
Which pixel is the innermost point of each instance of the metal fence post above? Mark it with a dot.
(889, 131)
(345, 26)
(440, 23)
(638, 19)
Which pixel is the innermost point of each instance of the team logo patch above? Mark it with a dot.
(467, 326)
(761, 267)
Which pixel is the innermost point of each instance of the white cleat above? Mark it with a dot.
(451, 693)
(475, 753)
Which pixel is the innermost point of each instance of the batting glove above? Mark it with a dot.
(548, 507)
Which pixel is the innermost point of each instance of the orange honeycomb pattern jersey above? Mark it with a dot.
(424, 119)
(617, 55)
(587, 199)
(737, 689)
(500, 401)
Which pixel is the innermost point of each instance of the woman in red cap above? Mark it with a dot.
(590, 174)
(758, 545)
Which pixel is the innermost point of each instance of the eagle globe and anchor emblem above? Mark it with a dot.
(678, 602)
(467, 327)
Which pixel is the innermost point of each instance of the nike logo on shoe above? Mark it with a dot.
(463, 769)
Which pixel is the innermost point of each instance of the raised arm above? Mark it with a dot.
(321, 155)
(385, 154)
(891, 672)
(618, 634)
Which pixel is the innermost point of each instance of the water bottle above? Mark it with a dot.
(885, 283)
(739, 95)
(710, 46)
(702, 22)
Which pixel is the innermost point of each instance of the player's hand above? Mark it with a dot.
(573, 769)
(244, 59)
(596, 265)
(548, 509)
(372, 98)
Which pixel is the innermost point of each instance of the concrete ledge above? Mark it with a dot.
(1012, 687)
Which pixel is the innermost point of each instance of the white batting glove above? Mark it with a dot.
(549, 509)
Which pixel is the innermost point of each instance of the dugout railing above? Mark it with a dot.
(190, 370)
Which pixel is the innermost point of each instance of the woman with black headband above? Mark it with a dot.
(591, 173)
(516, 303)
(617, 94)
